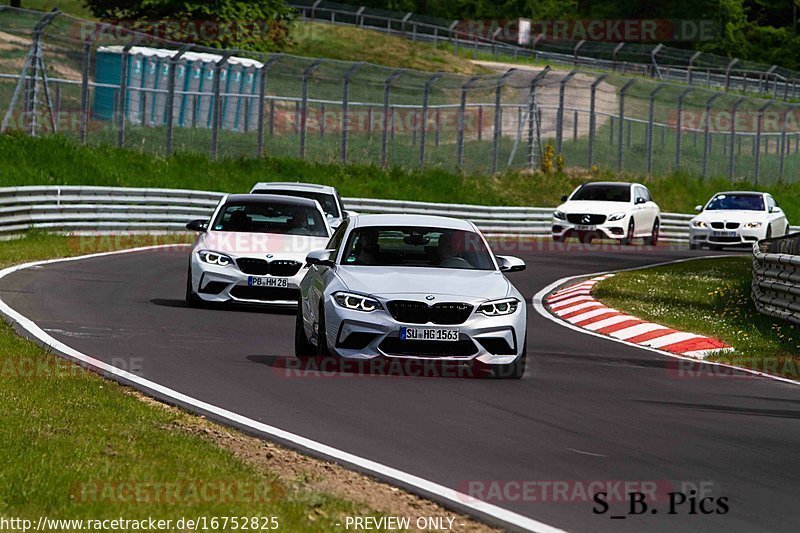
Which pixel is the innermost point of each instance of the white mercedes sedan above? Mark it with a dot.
(412, 287)
(253, 250)
(608, 210)
(737, 218)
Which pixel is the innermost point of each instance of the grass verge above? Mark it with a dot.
(76, 446)
(709, 297)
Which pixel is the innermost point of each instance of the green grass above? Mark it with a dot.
(71, 7)
(709, 297)
(58, 161)
(67, 432)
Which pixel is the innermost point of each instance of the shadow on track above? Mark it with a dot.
(238, 308)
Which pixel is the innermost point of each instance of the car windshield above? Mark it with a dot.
(600, 192)
(326, 201)
(738, 202)
(417, 247)
(271, 217)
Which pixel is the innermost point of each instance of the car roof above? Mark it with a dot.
(272, 199)
(758, 193)
(294, 186)
(430, 221)
(629, 183)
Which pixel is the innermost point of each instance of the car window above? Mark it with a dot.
(326, 201)
(603, 192)
(771, 203)
(738, 202)
(639, 194)
(647, 195)
(338, 236)
(417, 247)
(271, 217)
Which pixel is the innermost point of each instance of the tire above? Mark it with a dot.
(302, 348)
(628, 239)
(515, 370)
(692, 246)
(322, 337)
(192, 299)
(652, 240)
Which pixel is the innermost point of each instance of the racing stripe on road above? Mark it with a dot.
(575, 304)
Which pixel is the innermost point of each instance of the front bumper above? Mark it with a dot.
(738, 237)
(616, 229)
(228, 284)
(489, 340)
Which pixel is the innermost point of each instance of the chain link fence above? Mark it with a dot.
(101, 84)
(654, 60)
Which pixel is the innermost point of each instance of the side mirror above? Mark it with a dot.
(640, 200)
(564, 198)
(776, 209)
(321, 257)
(698, 208)
(198, 225)
(348, 213)
(509, 263)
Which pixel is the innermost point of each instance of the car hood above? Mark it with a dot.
(418, 282)
(589, 206)
(731, 215)
(239, 244)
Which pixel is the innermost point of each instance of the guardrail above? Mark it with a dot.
(93, 210)
(776, 277)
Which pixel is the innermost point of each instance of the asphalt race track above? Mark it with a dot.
(588, 410)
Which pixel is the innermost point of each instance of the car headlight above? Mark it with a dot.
(214, 258)
(357, 302)
(699, 224)
(616, 216)
(506, 306)
(560, 215)
(753, 225)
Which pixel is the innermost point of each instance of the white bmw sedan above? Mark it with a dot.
(412, 287)
(253, 250)
(608, 210)
(737, 218)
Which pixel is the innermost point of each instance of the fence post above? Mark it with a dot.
(560, 115)
(532, 116)
(262, 95)
(690, 66)
(216, 110)
(345, 97)
(173, 66)
(122, 97)
(462, 112)
(304, 105)
(731, 157)
(707, 133)
(387, 88)
(498, 117)
(767, 75)
(783, 138)
(653, 54)
(728, 73)
(425, 99)
(679, 130)
(614, 54)
(650, 126)
(593, 116)
(575, 52)
(87, 56)
(36, 59)
(621, 132)
(757, 147)
(453, 36)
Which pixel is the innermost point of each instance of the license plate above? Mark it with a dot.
(254, 281)
(428, 334)
(585, 228)
(723, 234)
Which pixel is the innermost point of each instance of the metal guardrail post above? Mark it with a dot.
(304, 105)
(783, 138)
(593, 116)
(345, 101)
(425, 100)
(262, 96)
(532, 118)
(498, 117)
(173, 67)
(216, 109)
(731, 156)
(621, 139)
(387, 88)
(560, 113)
(650, 126)
(707, 133)
(759, 127)
(462, 112)
(728, 74)
(679, 129)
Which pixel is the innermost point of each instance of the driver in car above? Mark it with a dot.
(448, 251)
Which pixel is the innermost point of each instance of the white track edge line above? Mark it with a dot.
(539, 306)
(387, 472)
